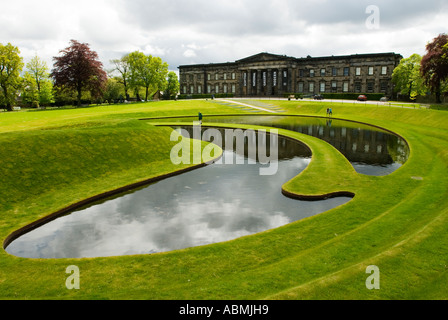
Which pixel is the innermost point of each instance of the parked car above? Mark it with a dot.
(318, 97)
(384, 99)
(362, 98)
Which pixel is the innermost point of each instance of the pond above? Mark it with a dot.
(371, 150)
(208, 205)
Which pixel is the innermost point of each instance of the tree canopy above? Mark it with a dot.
(148, 72)
(434, 65)
(78, 68)
(11, 65)
(407, 78)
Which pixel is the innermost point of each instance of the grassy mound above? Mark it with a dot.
(397, 222)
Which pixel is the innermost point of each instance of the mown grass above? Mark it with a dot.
(51, 159)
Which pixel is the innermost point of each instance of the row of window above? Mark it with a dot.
(345, 71)
(302, 73)
(216, 89)
(310, 87)
(302, 87)
(216, 76)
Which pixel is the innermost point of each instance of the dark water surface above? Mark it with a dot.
(370, 150)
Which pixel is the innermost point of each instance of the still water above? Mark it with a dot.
(370, 150)
(212, 204)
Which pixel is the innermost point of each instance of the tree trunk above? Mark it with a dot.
(8, 103)
(79, 97)
(438, 94)
(147, 92)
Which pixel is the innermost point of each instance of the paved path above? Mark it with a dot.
(249, 105)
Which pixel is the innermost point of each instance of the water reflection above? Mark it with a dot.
(370, 150)
(208, 205)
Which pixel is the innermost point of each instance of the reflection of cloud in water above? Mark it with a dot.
(222, 202)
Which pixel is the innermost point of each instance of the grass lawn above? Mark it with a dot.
(51, 159)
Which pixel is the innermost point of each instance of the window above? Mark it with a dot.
(383, 86)
(370, 71)
(312, 73)
(245, 79)
(334, 86)
(209, 76)
(254, 79)
(358, 71)
(301, 73)
(370, 86)
(345, 87)
(225, 76)
(274, 79)
(357, 87)
(322, 72)
(322, 86)
(209, 89)
(185, 89)
(265, 80)
(233, 88)
(300, 87)
(334, 72)
(199, 77)
(346, 71)
(199, 89)
(383, 70)
(311, 85)
(224, 89)
(216, 76)
(217, 89)
(233, 76)
(191, 89)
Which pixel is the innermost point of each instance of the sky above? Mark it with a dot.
(184, 32)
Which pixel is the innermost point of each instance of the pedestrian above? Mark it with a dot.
(328, 111)
(331, 112)
(200, 118)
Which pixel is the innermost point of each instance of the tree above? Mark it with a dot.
(79, 69)
(407, 77)
(172, 87)
(434, 65)
(147, 71)
(113, 89)
(38, 88)
(123, 67)
(11, 65)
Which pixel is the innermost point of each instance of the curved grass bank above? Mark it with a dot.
(397, 222)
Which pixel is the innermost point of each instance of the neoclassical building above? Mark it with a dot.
(267, 74)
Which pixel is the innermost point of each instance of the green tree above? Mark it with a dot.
(434, 65)
(113, 89)
(11, 65)
(407, 77)
(123, 67)
(148, 72)
(38, 86)
(172, 87)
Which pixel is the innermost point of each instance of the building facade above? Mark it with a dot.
(266, 74)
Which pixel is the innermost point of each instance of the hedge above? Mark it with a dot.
(205, 96)
(353, 96)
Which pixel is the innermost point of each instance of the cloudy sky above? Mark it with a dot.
(203, 31)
